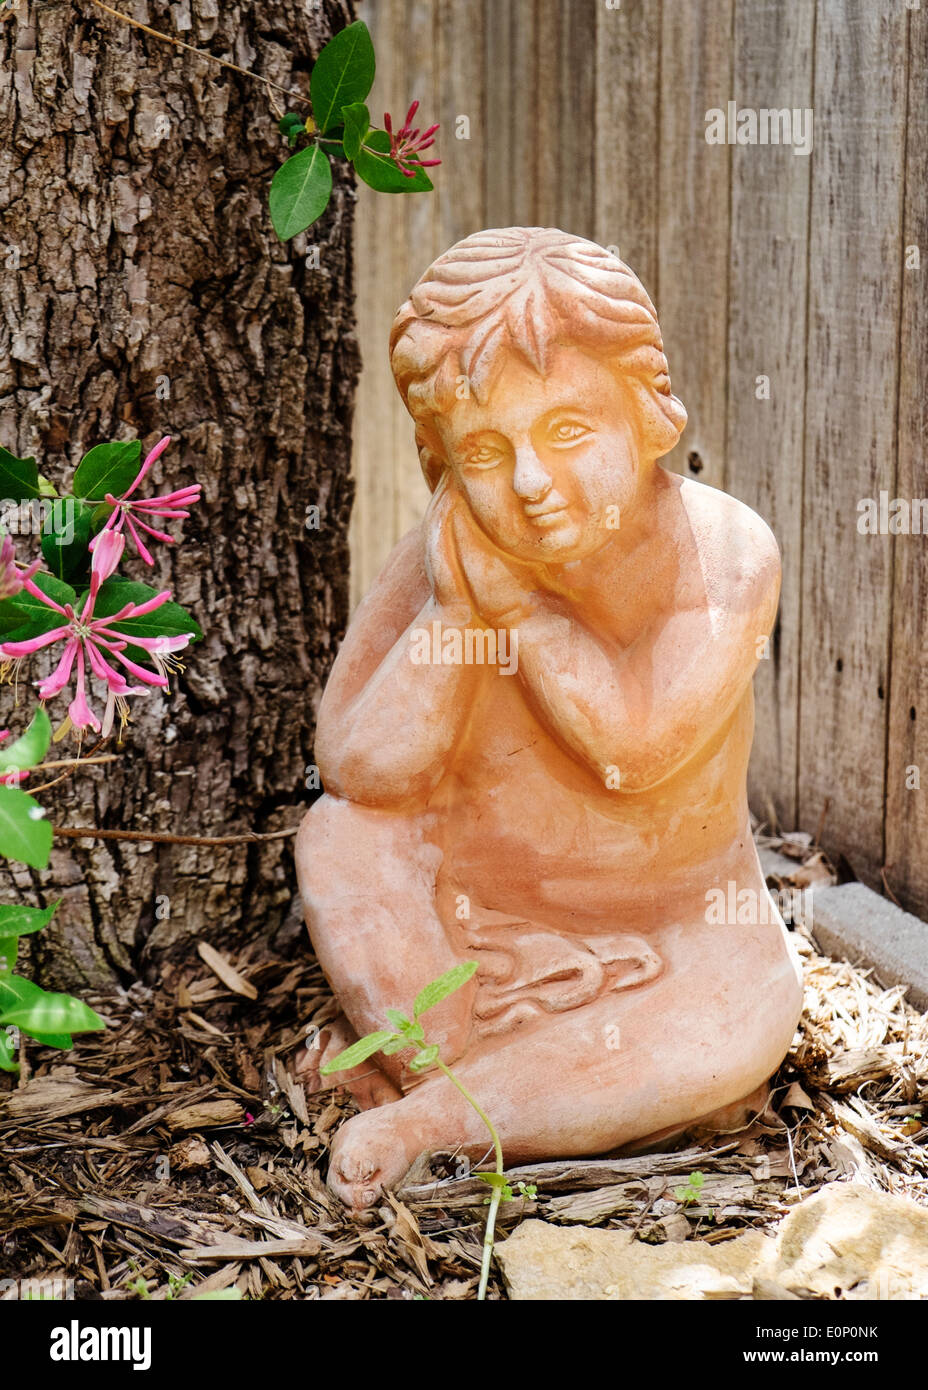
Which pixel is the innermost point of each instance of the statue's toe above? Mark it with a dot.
(366, 1158)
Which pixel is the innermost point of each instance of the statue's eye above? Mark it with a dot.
(567, 432)
(482, 456)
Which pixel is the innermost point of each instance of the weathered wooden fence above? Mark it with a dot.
(792, 305)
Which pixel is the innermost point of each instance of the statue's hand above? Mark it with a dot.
(504, 591)
(441, 561)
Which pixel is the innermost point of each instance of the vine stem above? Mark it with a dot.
(496, 1194)
(74, 762)
(90, 832)
(201, 53)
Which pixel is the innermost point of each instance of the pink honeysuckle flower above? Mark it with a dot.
(12, 578)
(11, 779)
(406, 144)
(97, 643)
(129, 514)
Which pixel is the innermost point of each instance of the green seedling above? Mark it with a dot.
(692, 1192)
(409, 1033)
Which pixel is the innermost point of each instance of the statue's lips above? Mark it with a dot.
(543, 515)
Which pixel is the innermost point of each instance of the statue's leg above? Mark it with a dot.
(707, 1032)
(367, 880)
(366, 1083)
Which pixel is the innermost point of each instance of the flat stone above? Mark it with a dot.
(541, 1262)
(854, 923)
(846, 1241)
(855, 1242)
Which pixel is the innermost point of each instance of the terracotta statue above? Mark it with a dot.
(534, 742)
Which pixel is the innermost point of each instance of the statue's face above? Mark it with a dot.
(547, 464)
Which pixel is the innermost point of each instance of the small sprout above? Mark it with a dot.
(409, 1033)
(692, 1192)
(292, 126)
(426, 1058)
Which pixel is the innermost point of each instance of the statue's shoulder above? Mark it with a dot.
(735, 544)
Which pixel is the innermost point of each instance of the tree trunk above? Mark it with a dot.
(143, 292)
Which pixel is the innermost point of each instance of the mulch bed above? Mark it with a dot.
(174, 1155)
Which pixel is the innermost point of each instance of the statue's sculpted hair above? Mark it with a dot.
(529, 290)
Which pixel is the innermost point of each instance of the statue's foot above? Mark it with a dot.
(729, 1119)
(369, 1153)
(366, 1083)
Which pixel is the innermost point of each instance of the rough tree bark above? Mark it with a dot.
(143, 291)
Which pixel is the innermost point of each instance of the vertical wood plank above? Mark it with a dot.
(773, 47)
(569, 203)
(854, 289)
(694, 227)
(627, 126)
(416, 27)
(460, 182)
(907, 803)
(520, 80)
(375, 241)
(498, 61)
(395, 238)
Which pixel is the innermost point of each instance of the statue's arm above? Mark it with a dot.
(386, 726)
(646, 710)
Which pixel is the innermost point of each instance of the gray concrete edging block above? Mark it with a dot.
(853, 922)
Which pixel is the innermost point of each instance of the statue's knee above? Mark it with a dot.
(319, 851)
(346, 850)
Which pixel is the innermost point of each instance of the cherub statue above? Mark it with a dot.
(570, 817)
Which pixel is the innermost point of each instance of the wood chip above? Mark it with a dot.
(205, 1114)
(225, 971)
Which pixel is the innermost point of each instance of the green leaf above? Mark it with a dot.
(170, 620)
(24, 835)
(108, 468)
(11, 617)
(357, 1053)
(300, 191)
(17, 920)
(342, 74)
(7, 1052)
(446, 984)
(27, 750)
(357, 124)
(49, 1016)
(493, 1179)
(399, 1021)
(378, 170)
(35, 617)
(65, 538)
(293, 126)
(16, 992)
(426, 1058)
(19, 478)
(62, 1040)
(396, 1045)
(9, 950)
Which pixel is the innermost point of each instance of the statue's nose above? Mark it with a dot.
(530, 480)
